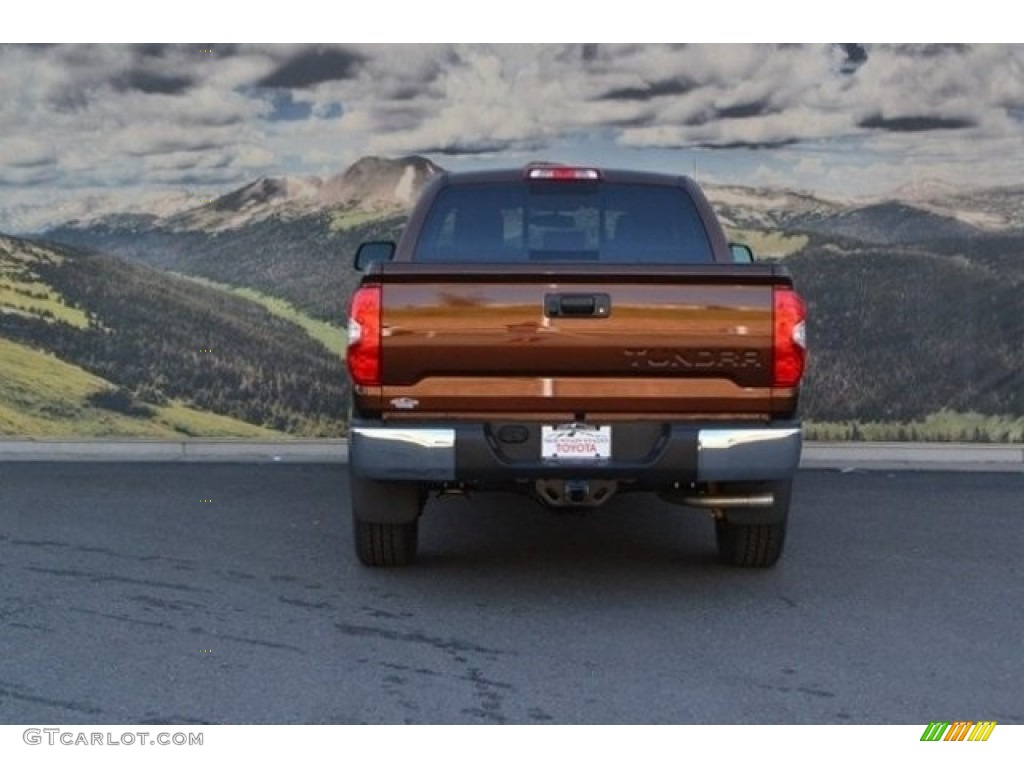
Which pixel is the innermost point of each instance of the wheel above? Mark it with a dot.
(749, 545)
(385, 520)
(752, 544)
(386, 544)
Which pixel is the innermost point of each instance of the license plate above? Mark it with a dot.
(581, 443)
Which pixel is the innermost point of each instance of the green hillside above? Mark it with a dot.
(21, 291)
(305, 260)
(40, 396)
(332, 337)
(901, 333)
(170, 350)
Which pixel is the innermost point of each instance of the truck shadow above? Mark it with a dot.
(634, 532)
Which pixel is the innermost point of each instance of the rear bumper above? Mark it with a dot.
(765, 453)
(469, 453)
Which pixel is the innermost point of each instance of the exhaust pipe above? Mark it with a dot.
(727, 502)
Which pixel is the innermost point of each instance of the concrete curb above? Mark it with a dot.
(245, 451)
(964, 457)
(960, 457)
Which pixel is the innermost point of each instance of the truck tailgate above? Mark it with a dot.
(616, 341)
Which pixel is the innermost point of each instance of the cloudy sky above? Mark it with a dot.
(838, 119)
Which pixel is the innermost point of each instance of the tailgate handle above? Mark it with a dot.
(577, 305)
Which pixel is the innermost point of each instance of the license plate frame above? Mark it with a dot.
(583, 443)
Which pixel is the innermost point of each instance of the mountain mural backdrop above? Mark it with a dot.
(225, 316)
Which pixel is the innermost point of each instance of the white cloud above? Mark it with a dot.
(26, 152)
(81, 116)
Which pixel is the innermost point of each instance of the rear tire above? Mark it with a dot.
(386, 545)
(385, 520)
(751, 544)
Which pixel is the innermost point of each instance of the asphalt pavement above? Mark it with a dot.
(189, 593)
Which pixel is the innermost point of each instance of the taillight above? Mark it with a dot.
(790, 344)
(364, 331)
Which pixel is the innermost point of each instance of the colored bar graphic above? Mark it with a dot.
(959, 730)
(982, 730)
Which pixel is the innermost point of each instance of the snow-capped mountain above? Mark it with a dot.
(379, 183)
(768, 208)
(372, 184)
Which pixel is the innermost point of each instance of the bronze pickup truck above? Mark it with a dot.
(572, 333)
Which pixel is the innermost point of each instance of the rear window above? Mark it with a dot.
(564, 221)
